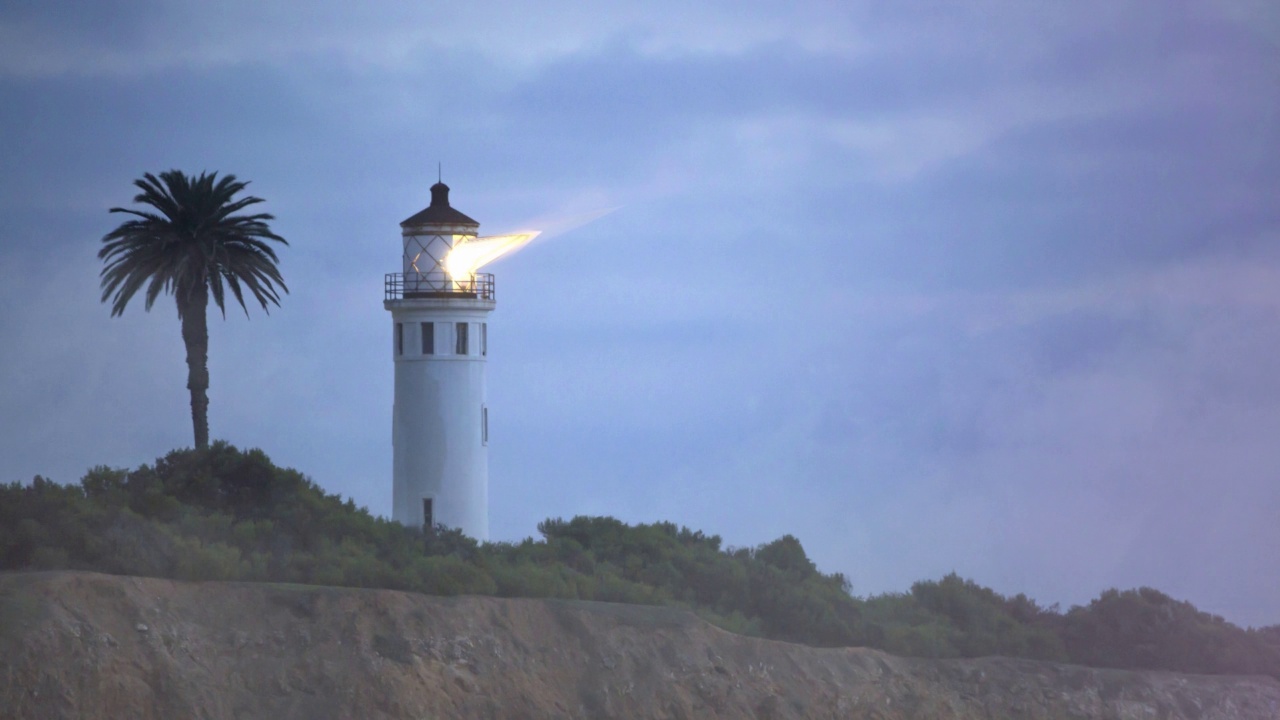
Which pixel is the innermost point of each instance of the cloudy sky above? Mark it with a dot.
(991, 287)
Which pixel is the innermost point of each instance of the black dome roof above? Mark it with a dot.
(439, 212)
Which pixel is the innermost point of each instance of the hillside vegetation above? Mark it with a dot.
(226, 514)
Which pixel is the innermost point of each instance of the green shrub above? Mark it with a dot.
(227, 514)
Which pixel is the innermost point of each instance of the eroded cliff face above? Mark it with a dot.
(83, 645)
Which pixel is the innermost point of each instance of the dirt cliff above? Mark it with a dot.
(83, 645)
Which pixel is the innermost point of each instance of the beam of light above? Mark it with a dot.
(554, 225)
(470, 254)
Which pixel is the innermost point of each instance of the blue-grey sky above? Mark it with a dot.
(991, 287)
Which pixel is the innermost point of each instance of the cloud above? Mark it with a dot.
(56, 39)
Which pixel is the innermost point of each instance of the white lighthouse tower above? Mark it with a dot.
(440, 424)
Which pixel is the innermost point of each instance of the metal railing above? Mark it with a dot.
(438, 285)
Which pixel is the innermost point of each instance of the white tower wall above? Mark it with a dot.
(439, 421)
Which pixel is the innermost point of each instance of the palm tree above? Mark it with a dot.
(190, 246)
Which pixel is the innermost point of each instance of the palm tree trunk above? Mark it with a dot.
(195, 334)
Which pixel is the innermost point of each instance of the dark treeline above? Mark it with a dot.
(224, 514)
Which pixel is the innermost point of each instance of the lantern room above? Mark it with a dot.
(429, 236)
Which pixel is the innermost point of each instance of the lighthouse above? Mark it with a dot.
(440, 341)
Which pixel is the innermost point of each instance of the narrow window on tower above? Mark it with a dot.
(428, 518)
(399, 338)
(484, 425)
(484, 338)
(462, 339)
(428, 338)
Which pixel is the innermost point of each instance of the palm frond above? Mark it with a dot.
(190, 235)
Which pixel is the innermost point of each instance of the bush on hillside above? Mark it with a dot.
(225, 514)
